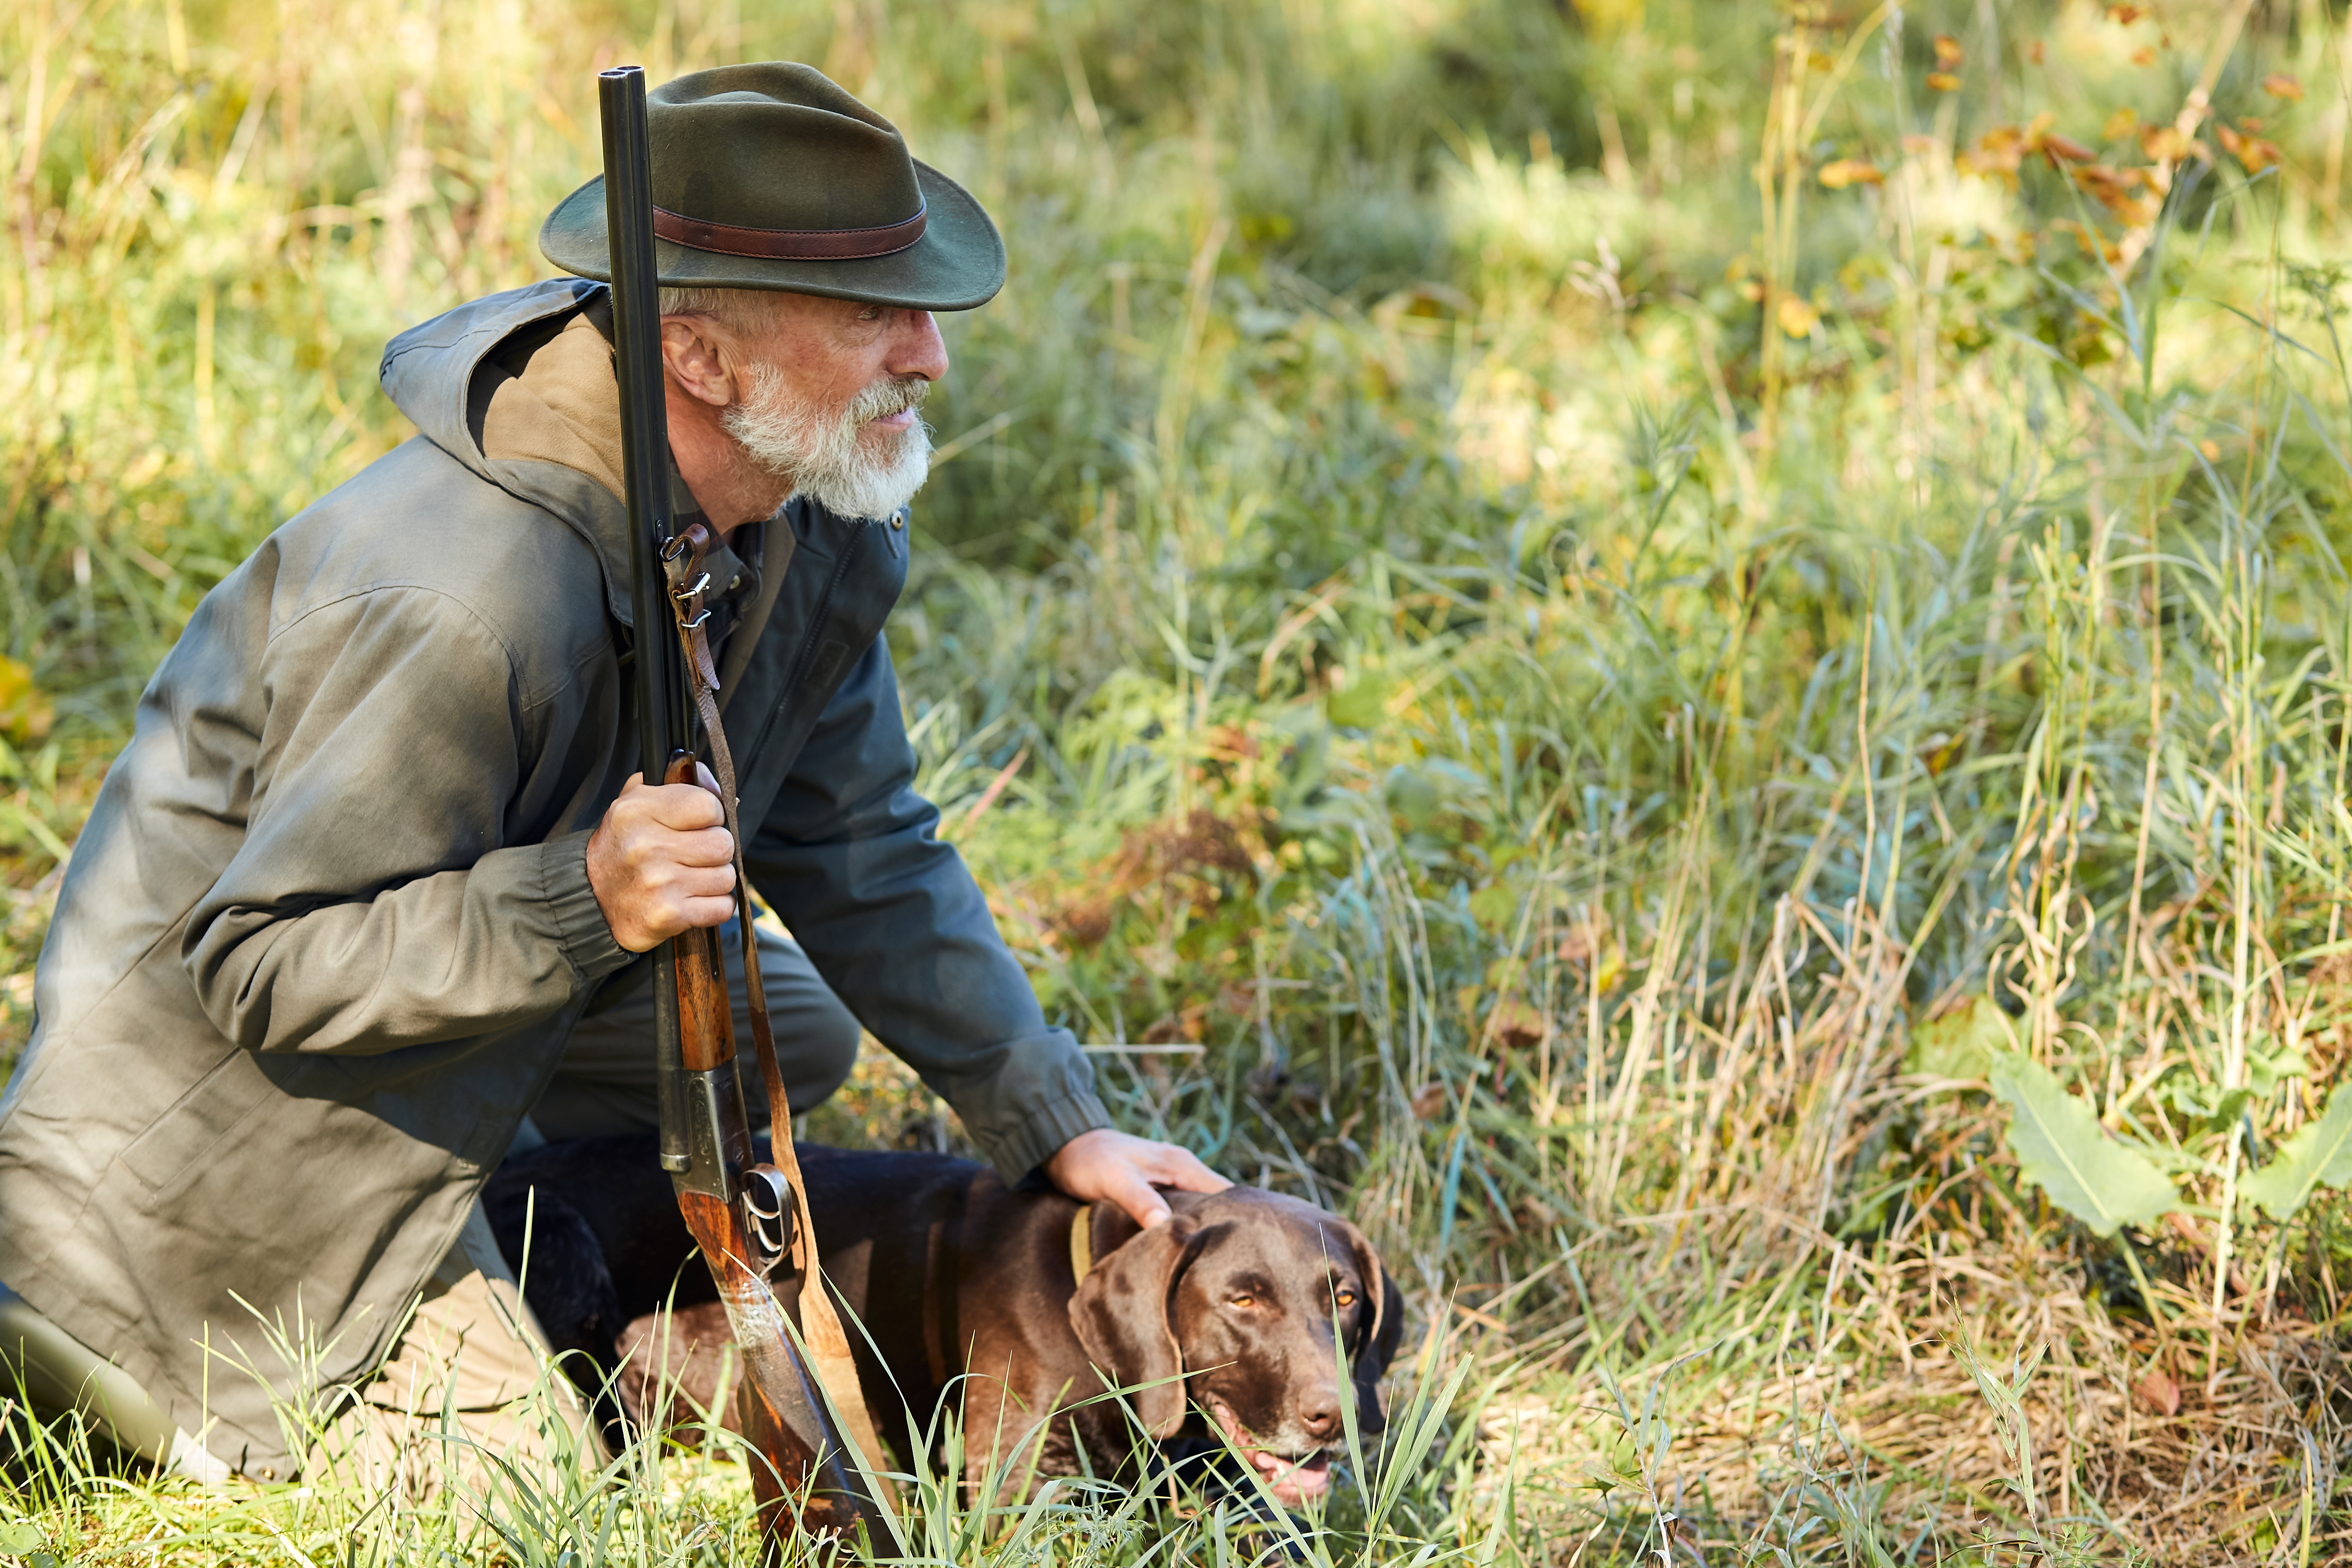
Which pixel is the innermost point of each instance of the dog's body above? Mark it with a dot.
(1230, 1307)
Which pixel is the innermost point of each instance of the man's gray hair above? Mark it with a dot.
(740, 311)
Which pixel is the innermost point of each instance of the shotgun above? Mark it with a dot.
(751, 1220)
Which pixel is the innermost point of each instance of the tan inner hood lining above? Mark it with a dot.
(564, 408)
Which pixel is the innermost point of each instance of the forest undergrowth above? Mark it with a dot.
(1695, 657)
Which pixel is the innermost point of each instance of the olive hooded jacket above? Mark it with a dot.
(330, 923)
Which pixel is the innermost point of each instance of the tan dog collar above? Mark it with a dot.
(1082, 1243)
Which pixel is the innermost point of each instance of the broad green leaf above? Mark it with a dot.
(2318, 1156)
(2061, 1148)
(1363, 704)
(1412, 793)
(1496, 906)
(1961, 1044)
(19, 1538)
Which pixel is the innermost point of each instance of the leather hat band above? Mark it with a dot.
(789, 244)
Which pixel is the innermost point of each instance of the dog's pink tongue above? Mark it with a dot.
(1293, 1484)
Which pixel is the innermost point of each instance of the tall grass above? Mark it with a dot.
(1549, 621)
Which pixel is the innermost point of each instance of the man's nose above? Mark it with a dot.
(1319, 1411)
(916, 348)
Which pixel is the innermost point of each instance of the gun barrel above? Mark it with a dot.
(645, 420)
(645, 483)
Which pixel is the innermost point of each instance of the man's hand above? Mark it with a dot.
(662, 861)
(1104, 1167)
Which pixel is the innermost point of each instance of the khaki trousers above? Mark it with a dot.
(470, 1399)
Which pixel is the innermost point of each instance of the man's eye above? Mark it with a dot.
(871, 314)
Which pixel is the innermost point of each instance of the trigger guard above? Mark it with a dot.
(771, 1215)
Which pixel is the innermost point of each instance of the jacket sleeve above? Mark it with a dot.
(892, 918)
(374, 901)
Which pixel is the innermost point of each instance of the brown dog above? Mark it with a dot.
(1021, 1301)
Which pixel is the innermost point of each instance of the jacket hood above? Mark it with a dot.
(519, 388)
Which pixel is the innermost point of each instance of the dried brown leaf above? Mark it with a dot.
(2158, 1393)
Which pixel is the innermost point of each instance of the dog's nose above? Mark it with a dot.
(1318, 1412)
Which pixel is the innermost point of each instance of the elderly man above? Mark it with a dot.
(362, 902)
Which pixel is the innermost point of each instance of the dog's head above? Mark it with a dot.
(1239, 1295)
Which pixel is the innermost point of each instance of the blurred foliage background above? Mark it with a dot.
(1691, 655)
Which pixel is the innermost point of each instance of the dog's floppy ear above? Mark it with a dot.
(1383, 1330)
(1386, 1330)
(1121, 1311)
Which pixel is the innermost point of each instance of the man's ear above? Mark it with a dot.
(1122, 1310)
(694, 359)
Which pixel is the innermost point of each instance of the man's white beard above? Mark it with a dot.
(828, 453)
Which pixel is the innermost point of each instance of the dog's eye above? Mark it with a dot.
(1243, 1300)
(1346, 1297)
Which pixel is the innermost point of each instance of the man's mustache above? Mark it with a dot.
(891, 395)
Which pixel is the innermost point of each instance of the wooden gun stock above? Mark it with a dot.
(801, 1449)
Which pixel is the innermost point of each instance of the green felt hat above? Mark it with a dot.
(771, 176)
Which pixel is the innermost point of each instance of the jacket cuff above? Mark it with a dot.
(577, 919)
(1021, 1152)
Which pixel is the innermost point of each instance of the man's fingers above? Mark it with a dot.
(1182, 1169)
(704, 914)
(1173, 1166)
(1106, 1166)
(1133, 1193)
(681, 909)
(704, 847)
(683, 808)
(656, 855)
(697, 882)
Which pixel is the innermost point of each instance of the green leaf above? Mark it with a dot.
(1961, 1044)
(1363, 703)
(19, 1537)
(2318, 1156)
(1496, 906)
(2267, 1068)
(2061, 1148)
(1411, 794)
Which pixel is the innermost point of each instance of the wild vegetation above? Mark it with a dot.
(1695, 656)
